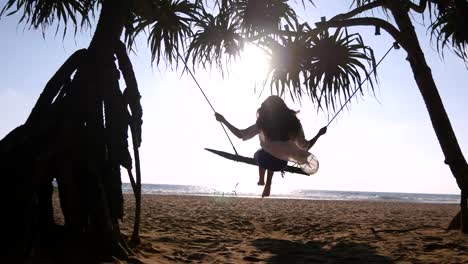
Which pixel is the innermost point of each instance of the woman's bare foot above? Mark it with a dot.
(266, 189)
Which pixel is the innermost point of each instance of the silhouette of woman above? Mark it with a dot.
(281, 140)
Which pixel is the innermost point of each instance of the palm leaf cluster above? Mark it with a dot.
(214, 36)
(236, 21)
(258, 16)
(321, 66)
(337, 63)
(168, 24)
(326, 67)
(450, 26)
(288, 59)
(44, 13)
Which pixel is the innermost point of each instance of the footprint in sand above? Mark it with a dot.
(252, 259)
(196, 256)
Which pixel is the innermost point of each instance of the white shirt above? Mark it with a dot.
(292, 150)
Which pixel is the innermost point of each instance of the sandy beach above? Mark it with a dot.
(190, 229)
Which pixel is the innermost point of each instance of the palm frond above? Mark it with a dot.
(214, 36)
(310, 1)
(327, 68)
(258, 16)
(335, 70)
(44, 13)
(288, 59)
(449, 27)
(167, 24)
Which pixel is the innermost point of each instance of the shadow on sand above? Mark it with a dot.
(285, 251)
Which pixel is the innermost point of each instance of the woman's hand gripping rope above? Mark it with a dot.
(321, 132)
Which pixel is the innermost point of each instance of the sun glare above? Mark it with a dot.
(252, 66)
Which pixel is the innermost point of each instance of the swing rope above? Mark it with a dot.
(206, 97)
(394, 46)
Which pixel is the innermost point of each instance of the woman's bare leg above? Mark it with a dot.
(266, 190)
(261, 176)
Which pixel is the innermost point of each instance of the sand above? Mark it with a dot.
(189, 229)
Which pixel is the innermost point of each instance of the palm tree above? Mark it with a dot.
(448, 25)
(77, 131)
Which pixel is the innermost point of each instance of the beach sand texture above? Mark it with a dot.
(191, 229)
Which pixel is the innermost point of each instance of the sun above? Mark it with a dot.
(252, 66)
(245, 83)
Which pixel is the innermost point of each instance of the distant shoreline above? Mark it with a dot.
(320, 195)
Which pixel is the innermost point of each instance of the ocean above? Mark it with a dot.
(172, 189)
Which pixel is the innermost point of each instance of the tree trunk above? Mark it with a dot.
(440, 122)
(76, 133)
(95, 105)
(132, 97)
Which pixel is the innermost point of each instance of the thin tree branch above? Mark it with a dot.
(131, 93)
(363, 21)
(135, 240)
(359, 10)
(315, 31)
(133, 99)
(285, 33)
(418, 8)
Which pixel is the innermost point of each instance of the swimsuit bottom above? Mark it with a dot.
(267, 161)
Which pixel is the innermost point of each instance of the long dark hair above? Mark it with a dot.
(276, 120)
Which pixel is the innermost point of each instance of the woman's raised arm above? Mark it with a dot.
(244, 134)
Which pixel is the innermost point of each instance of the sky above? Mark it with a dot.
(384, 143)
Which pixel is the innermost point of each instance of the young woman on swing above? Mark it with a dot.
(281, 140)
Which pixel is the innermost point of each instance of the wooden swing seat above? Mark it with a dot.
(252, 161)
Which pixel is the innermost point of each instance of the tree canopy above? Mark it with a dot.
(305, 59)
